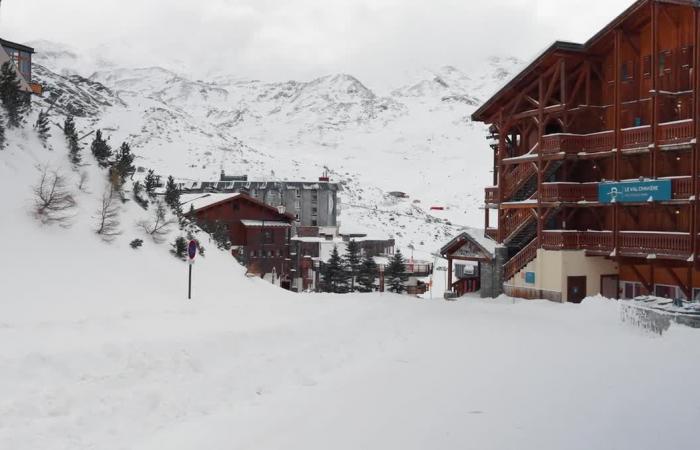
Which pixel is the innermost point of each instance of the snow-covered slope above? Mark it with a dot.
(416, 138)
(99, 349)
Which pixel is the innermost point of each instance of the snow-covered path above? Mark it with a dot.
(349, 372)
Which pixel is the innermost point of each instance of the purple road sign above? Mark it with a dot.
(192, 250)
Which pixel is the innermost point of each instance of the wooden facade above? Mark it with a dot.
(622, 106)
(259, 233)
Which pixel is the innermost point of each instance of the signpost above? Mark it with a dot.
(191, 254)
(635, 191)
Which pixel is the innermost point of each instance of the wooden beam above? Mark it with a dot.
(648, 286)
(678, 280)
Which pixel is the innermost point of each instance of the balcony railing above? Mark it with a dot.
(676, 132)
(519, 261)
(516, 178)
(682, 189)
(637, 137)
(642, 243)
(658, 243)
(492, 233)
(603, 141)
(492, 195)
(569, 192)
(600, 241)
(515, 221)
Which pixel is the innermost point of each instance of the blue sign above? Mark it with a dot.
(635, 191)
(192, 249)
(530, 277)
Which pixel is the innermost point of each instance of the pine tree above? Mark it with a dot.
(69, 127)
(368, 275)
(335, 278)
(124, 162)
(74, 153)
(2, 128)
(150, 183)
(13, 98)
(42, 127)
(179, 247)
(172, 195)
(396, 273)
(352, 262)
(101, 149)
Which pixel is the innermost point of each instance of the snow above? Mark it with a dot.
(199, 201)
(265, 223)
(99, 349)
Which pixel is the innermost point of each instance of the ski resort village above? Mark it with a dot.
(350, 224)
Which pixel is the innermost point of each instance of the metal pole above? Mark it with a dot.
(189, 285)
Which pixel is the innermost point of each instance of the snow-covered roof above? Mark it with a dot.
(475, 235)
(199, 201)
(265, 223)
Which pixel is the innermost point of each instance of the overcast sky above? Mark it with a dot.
(281, 39)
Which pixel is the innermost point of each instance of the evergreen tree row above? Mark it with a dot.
(352, 273)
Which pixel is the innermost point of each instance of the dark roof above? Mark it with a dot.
(250, 199)
(20, 47)
(563, 46)
(459, 240)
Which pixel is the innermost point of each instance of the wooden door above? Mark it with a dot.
(609, 286)
(576, 289)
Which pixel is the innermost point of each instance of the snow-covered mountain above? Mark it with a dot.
(417, 138)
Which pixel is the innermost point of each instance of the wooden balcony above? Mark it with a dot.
(670, 133)
(491, 195)
(636, 137)
(599, 242)
(36, 88)
(603, 141)
(569, 192)
(662, 244)
(682, 189)
(676, 133)
(668, 245)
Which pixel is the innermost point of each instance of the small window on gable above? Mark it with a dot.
(646, 66)
(236, 206)
(686, 57)
(665, 63)
(627, 71)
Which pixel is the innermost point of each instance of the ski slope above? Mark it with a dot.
(99, 349)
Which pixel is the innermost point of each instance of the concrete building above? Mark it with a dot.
(313, 204)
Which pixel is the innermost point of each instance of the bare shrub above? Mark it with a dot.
(53, 202)
(159, 225)
(82, 181)
(108, 215)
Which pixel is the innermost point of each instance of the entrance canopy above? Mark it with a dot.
(467, 246)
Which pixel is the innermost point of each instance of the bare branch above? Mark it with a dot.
(159, 225)
(108, 216)
(52, 199)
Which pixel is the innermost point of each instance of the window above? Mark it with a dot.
(236, 206)
(665, 63)
(696, 295)
(627, 71)
(631, 290)
(646, 66)
(666, 291)
(267, 237)
(314, 210)
(314, 222)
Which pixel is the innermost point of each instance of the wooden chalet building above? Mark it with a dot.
(260, 234)
(472, 265)
(21, 58)
(596, 162)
